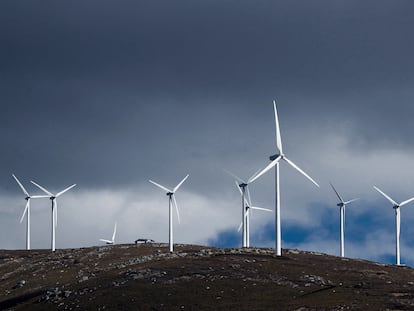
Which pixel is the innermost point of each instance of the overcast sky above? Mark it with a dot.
(109, 94)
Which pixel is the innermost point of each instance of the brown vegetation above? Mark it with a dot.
(147, 277)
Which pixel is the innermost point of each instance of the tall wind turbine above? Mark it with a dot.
(242, 185)
(248, 206)
(27, 209)
(396, 207)
(171, 201)
(112, 241)
(53, 198)
(275, 163)
(342, 204)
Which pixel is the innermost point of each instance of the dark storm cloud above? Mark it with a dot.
(104, 91)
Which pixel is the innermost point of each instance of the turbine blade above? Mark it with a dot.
(249, 198)
(344, 216)
(235, 176)
(386, 196)
(406, 202)
(41, 188)
(160, 186)
(350, 201)
(21, 186)
(300, 170)
(238, 187)
(113, 235)
(181, 182)
(25, 210)
(278, 138)
(241, 225)
(337, 193)
(106, 241)
(176, 209)
(268, 167)
(63, 191)
(56, 212)
(261, 209)
(254, 175)
(39, 196)
(241, 193)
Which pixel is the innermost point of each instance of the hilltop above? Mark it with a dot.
(147, 277)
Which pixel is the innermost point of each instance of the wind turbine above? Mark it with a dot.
(342, 204)
(53, 198)
(248, 206)
(112, 241)
(171, 201)
(276, 159)
(242, 185)
(396, 207)
(27, 209)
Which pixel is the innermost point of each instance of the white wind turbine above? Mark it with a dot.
(396, 207)
(242, 185)
(248, 206)
(53, 198)
(275, 163)
(27, 209)
(171, 201)
(342, 204)
(112, 241)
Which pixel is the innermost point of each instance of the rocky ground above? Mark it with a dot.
(148, 277)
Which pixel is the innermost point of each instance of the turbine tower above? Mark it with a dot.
(248, 206)
(53, 198)
(112, 241)
(171, 201)
(396, 207)
(342, 204)
(242, 185)
(27, 209)
(276, 159)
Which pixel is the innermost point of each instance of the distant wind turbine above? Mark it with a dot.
(275, 163)
(342, 204)
(27, 209)
(53, 198)
(171, 201)
(248, 206)
(396, 207)
(112, 241)
(242, 185)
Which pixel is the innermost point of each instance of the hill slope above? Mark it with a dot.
(147, 277)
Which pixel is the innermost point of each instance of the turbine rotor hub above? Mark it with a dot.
(275, 156)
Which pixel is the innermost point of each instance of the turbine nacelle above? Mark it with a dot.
(275, 156)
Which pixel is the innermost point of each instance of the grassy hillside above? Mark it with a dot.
(147, 277)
